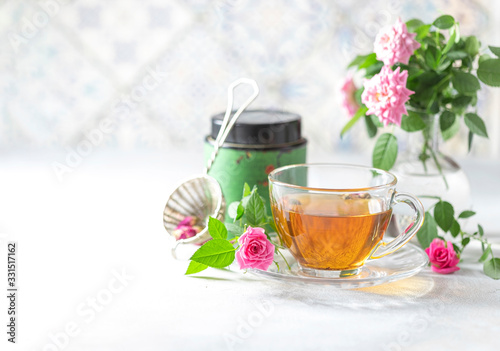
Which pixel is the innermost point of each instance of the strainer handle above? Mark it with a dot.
(227, 124)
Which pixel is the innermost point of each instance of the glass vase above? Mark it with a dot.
(422, 169)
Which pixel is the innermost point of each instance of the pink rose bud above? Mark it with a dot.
(349, 102)
(394, 44)
(443, 258)
(184, 232)
(386, 94)
(255, 250)
(187, 221)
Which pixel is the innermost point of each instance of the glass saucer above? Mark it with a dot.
(404, 263)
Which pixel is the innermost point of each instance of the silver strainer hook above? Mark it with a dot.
(201, 197)
(227, 124)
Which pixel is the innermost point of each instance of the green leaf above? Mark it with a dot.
(217, 253)
(412, 122)
(361, 112)
(482, 58)
(489, 72)
(443, 213)
(385, 152)
(428, 231)
(357, 95)
(216, 228)
(472, 46)
(495, 50)
(432, 57)
(492, 268)
(246, 190)
(376, 121)
(232, 210)
(450, 132)
(413, 24)
(444, 22)
(373, 69)
(475, 124)
(369, 61)
(465, 242)
(446, 120)
(255, 210)
(271, 223)
(480, 230)
(422, 31)
(443, 64)
(240, 211)
(455, 229)
(466, 214)
(371, 128)
(486, 253)
(465, 83)
(430, 41)
(195, 267)
(363, 61)
(234, 229)
(356, 61)
(461, 101)
(450, 43)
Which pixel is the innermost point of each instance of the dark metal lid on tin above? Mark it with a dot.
(262, 127)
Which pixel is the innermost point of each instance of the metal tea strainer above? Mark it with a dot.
(201, 197)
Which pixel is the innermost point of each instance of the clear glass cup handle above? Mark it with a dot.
(418, 219)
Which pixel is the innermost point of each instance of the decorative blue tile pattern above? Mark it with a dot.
(159, 69)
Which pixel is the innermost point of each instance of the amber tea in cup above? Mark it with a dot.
(332, 218)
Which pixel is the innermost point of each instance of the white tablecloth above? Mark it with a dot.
(95, 273)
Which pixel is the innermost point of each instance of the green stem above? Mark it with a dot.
(483, 241)
(284, 259)
(424, 154)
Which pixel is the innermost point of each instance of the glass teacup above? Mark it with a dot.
(333, 217)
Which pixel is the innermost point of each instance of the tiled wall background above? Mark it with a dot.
(159, 69)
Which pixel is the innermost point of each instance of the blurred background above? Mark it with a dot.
(104, 106)
(147, 75)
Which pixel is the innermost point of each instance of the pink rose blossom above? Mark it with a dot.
(186, 228)
(385, 95)
(348, 100)
(443, 258)
(189, 221)
(394, 44)
(255, 250)
(184, 232)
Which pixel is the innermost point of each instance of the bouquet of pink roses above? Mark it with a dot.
(415, 74)
(414, 65)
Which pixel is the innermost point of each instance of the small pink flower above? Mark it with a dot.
(255, 250)
(349, 102)
(443, 258)
(385, 95)
(189, 221)
(184, 232)
(394, 44)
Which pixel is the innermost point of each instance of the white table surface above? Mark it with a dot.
(105, 218)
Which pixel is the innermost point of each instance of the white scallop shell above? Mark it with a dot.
(200, 197)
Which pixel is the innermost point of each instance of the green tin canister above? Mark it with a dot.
(260, 141)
